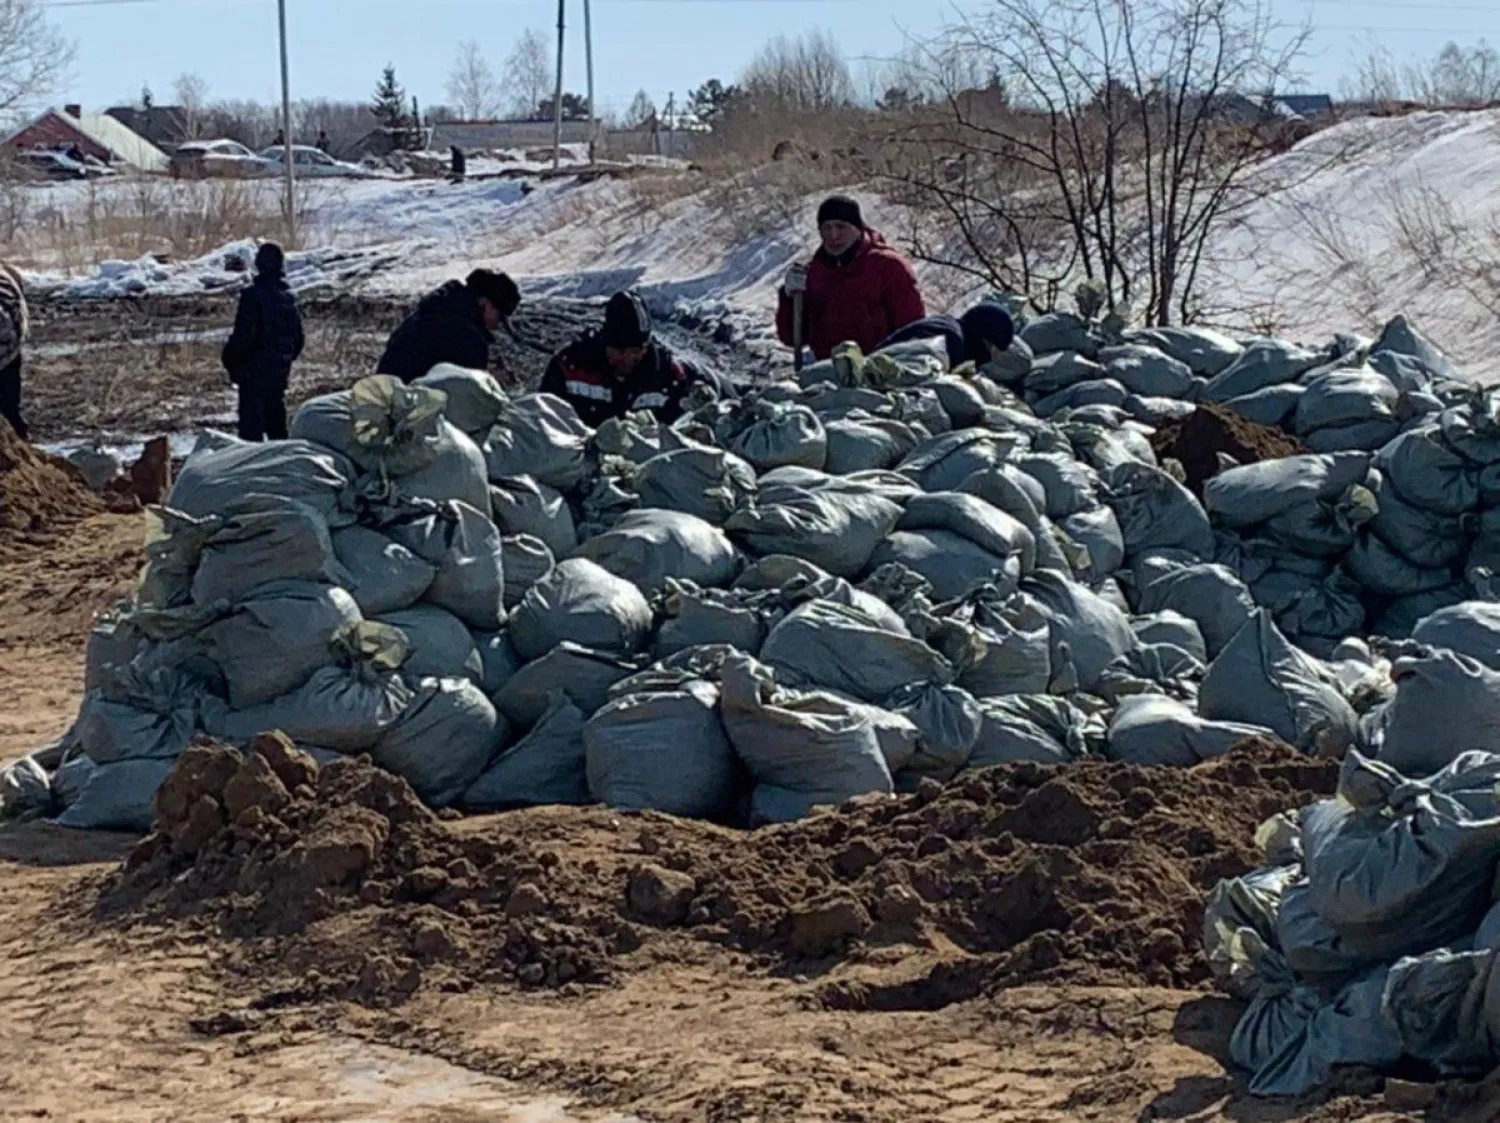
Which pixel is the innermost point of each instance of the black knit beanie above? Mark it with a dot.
(497, 288)
(627, 321)
(270, 261)
(841, 208)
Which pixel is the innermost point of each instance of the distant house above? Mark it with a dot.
(1248, 110)
(165, 126)
(1309, 107)
(95, 134)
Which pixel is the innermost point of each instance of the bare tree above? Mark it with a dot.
(34, 55)
(1114, 138)
(642, 111)
(1459, 77)
(528, 72)
(808, 74)
(472, 87)
(191, 93)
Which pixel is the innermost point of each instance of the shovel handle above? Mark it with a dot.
(797, 328)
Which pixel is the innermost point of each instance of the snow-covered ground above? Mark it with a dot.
(1385, 215)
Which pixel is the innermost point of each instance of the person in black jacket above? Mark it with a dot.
(454, 324)
(266, 341)
(975, 337)
(621, 369)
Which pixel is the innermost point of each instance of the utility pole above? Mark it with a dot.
(557, 96)
(671, 123)
(588, 53)
(286, 132)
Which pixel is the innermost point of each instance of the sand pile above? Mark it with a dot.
(1197, 441)
(37, 491)
(1092, 873)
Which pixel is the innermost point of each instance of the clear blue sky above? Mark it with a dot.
(339, 46)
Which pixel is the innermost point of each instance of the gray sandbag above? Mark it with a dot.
(1212, 596)
(467, 551)
(584, 676)
(1171, 629)
(346, 707)
(140, 713)
(1471, 628)
(474, 399)
(662, 752)
(1306, 607)
(1445, 704)
(1104, 448)
(1058, 331)
(648, 547)
(951, 562)
(1382, 571)
(769, 435)
(1092, 392)
(456, 472)
(1157, 411)
(1398, 617)
(1261, 679)
(837, 528)
(540, 436)
(1325, 528)
(1070, 485)
(948, 722)
(1011, 365)
(960, 400)
(1400, 337)
(273, 641)
(1006, 488)
(863, 444)
(25, 791)
(697, 617)
(799, 581)
(326, 420)
(994, 655)
(1146, 371)
(527, 561)
(384, 576)
(1252, 494)
(1343, 397)
(707, 482)
(946, 461)
(638, 437)
(836, 647)
(1152, 729)
(1030, 727)
(1422, 537)
(114, 641)
(263, 538)
(1152, 669)
(804, 749)
(1264, 364)
(1098, 532)
(437, 642)
(1429, 475)
(1054, 373)
(1155, 512)
(1272, 407)
(1366, 436)
(499, 659)
(585, 604)
(442, 741)
(1445, 1009)
(547, 766)
(522, 506)
(118, 797)
(210, 482)
(1095, 632)
(1206, 352)
(1485, 551)
(972, 518)
(1472, 428)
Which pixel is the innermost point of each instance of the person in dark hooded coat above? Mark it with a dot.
(454, 324)
(977, 336)
(266, 341)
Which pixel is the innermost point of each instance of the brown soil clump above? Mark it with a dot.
(1197, 440)
(1092, 873)
(38, 491)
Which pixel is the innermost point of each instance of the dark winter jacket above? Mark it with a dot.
(446, 327)
(581, 374)
(862, 296)
(267, 337)
(930, 327)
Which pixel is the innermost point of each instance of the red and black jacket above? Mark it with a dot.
(580, 374)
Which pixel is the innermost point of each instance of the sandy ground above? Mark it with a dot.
(158, 1023)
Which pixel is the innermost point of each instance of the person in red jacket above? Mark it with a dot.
(857, 289)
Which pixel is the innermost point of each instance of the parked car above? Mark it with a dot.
(53, 165)
(217, 159)
(310, 162)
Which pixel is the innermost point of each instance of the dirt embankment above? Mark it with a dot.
(1212, 429)
(39, 492)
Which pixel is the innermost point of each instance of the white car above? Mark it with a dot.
(308, 161)
(217, 159)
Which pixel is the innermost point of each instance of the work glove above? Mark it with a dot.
(796, 280)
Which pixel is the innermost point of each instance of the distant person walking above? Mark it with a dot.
(15, 329)
(856, 288)
(454, 324)
(324, 144)
(266, 341)
(459, 163)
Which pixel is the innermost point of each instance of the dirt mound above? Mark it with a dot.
(1198, 439)
(1093, 873)
(38, 491)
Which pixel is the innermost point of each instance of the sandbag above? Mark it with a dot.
(1051, 374)
(467, 551)
(584, 603)
(1471, 629)
(1397, 619)
(1155, 512)
(261, 539)
(1172, 629)
(474, 399)
(384, 576)
(1098, 532)
(499, 658)
(804, 749)
(769, 435)
(118, 797)
(960, 400)
(970, 517)
(272, 642)
(1212, 596)
(835, 647)
(1206, 352)
(1070, 486)
(706, 482)
(1401, 338)
(662, 752)
(139, 714)
(860, 445)
(1252, 494)
(523, 506)
(442, 741)
(1446, 704)
(946, 461)
(1058, 331)
(1095, 632)
(547, 766)
(948, 722)
(1305, 607)
(994, 656)
(1425, 539)
(697, 617)
(1152, 729)
(1146, 371)
(210, 482)
(1381, 570)
(527, 561)
(1429, 475)
(837, 528)
(1271, 407)
(1092, 392)
(540, 436)
(1264, 364)
(952, 563)
(1034, 727)
(437, 642)
(584, 676)
(1366, 436)
(1344, 397)
(1261, 679)
(648, 547)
